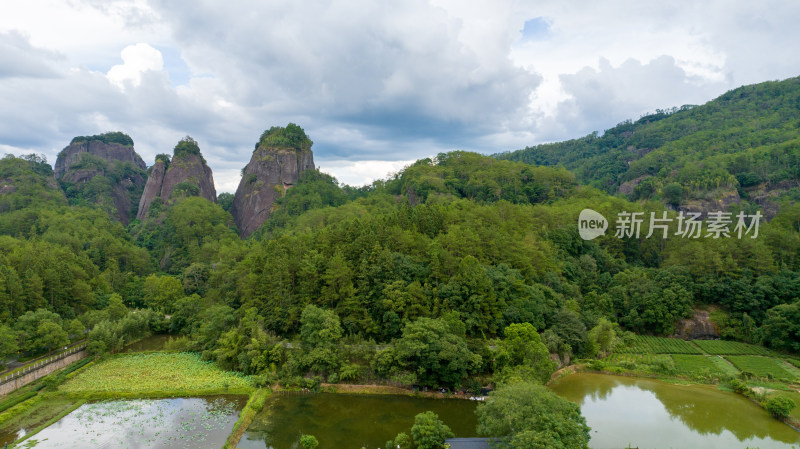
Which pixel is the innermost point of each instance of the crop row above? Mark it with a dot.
(724, 347)
(761, 366)
(642, 344)
(647, 359)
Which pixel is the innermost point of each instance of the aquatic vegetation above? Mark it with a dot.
(154, 374)
(166, 423)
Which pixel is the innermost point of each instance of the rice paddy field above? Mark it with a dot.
(155, 375)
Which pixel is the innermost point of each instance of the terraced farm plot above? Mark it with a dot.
(642, 344)
(156, 374)
(724, 365)
(724, 347)
(761, 366)
(648, 359)
(688, 364)
(792, 368)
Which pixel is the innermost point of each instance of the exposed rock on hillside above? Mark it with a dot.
(279, 157)
(104, 170)
(185, 175)
(699, 327)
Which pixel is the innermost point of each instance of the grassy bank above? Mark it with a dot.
(155, 375)
(253, 406)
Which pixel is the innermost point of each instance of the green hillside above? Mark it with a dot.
(446, 265)
(743, 145)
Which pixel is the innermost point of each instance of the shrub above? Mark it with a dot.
(779, 406)
(308, 441)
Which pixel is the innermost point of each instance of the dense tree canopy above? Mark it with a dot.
(530, 416)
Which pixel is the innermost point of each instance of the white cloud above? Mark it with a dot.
(359, 173)
(137, 59)
(370, 82)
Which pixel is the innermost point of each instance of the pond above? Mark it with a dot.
(647, 413)
(151, 343)
(350, 421)
(144, 423)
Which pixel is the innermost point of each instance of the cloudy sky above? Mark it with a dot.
(375, 84)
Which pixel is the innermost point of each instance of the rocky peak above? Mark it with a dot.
(280, 155)
(110, 155)
(185, 174)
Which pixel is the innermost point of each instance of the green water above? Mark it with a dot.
(649, 414)
(151, 343)
(341, 421)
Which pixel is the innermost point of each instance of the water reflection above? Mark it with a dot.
(649, 413)
(343, 421)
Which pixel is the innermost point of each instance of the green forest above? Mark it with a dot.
(460, 271)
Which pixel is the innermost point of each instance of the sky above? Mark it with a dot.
(376, 85)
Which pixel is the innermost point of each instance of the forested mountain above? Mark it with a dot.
(102, 170)
(183, 174)
(741, 147)
(438, 261)
(279, 157)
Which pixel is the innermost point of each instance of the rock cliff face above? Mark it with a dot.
(699, 327)
(121, 168)
(152, 189)
(269, 173)
(187, 171)
(73, 153)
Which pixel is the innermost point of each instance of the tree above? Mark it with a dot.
(781, 329)
(437, 351)
(602, 337)
(116, 309)
(308, 441)
(34, 336)
(402, 440)
(319, 327)
(429, 432)
(75, 329)
(779, 406)
(49, 335)
(320, 332)
(161, 292)
(672, 193)
(8, 342)
(530, 416)
(523, 346)
(568, 326)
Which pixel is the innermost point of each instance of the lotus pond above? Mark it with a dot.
(144, 423)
